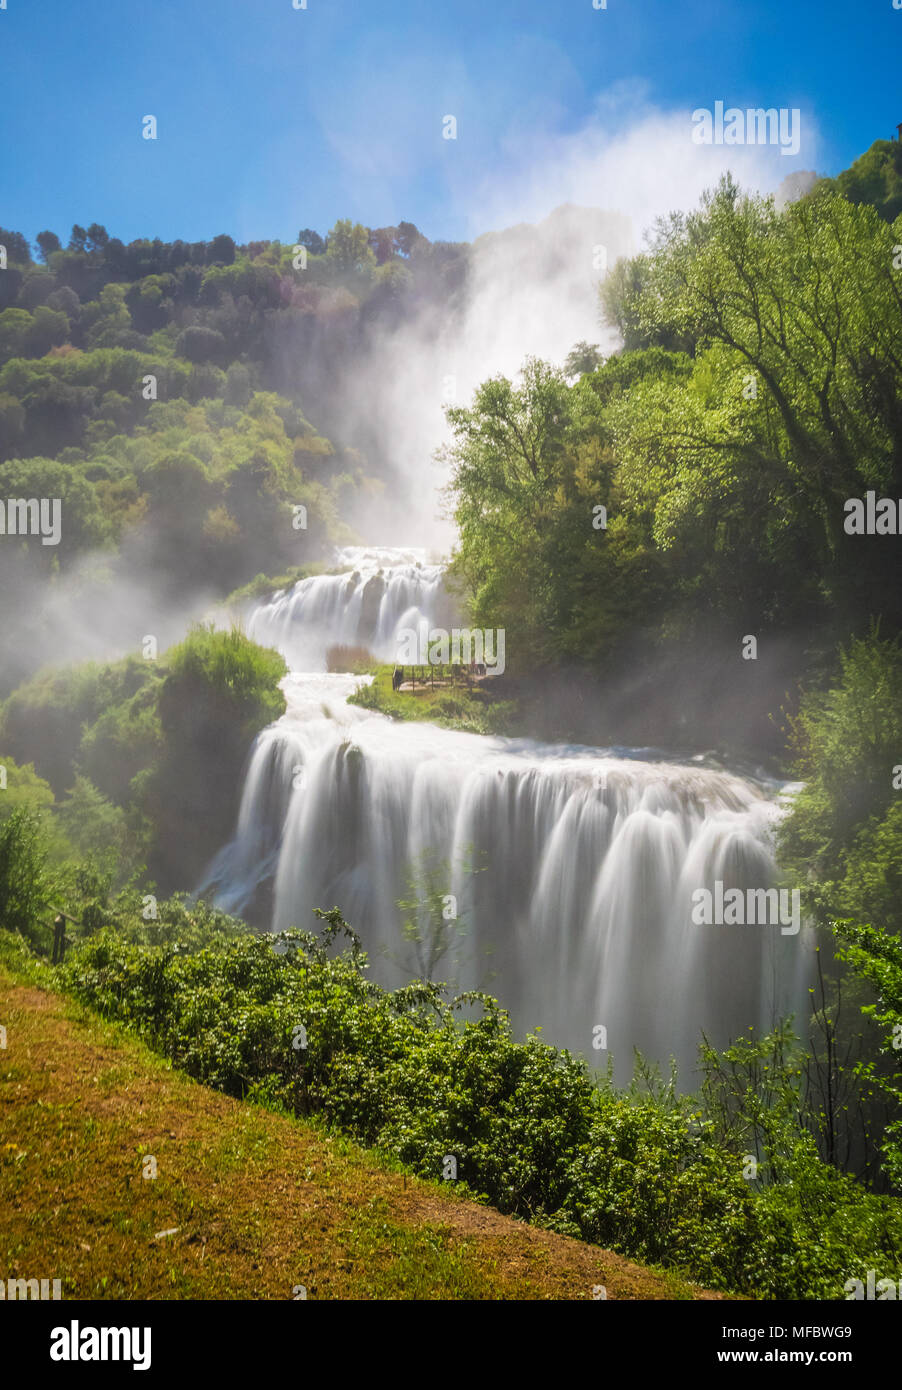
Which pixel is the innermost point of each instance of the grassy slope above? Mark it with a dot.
(261, 1202)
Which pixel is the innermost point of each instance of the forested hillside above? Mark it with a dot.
(177, 398)
(758, 392)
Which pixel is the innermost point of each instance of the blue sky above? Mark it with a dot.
(271, 119)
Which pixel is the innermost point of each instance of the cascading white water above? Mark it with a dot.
(572, 868)
(364, 606)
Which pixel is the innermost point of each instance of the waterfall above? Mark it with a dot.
(363, 607)
(570, 869)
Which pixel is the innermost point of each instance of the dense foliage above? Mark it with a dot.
(143, 760)
(761, 392)
(158, 390)
(876, 178)
(290, 1022)
(843, 836)
(876, 956)
(22, 873)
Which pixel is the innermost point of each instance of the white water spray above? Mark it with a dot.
(580, 912)
(364, 607)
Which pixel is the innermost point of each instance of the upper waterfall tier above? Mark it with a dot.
(382, 592)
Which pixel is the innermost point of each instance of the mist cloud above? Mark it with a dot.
(532, 291)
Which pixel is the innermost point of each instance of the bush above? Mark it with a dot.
(843, 829)
(220, 690)
(639, 1171)
(23, 854)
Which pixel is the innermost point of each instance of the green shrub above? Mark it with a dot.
(23, 879)
(639, 1171)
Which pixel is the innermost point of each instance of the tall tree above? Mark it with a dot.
(314, 243)
(97, 237)
(221, 250)
(348, 246)
(17, 248)
(48, 242)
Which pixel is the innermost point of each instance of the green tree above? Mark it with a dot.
(583, 357)
(17, 248)
(23, 877)
(433, 927)
(201, 344)
(876, 178)
(97, 238)
(95, 828)
(795, 297)
(313, 241)
(14, 327)
(842, 833)
(876, 956)
(220, 690)
(348, 247)
(221, 250)
(83, 525)
(47, 329)
(12, 425)
(529, 464)
(22, 788)
(106, 319)
(48, 242)
(792, 406)
(621, 297)
(408, 236)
